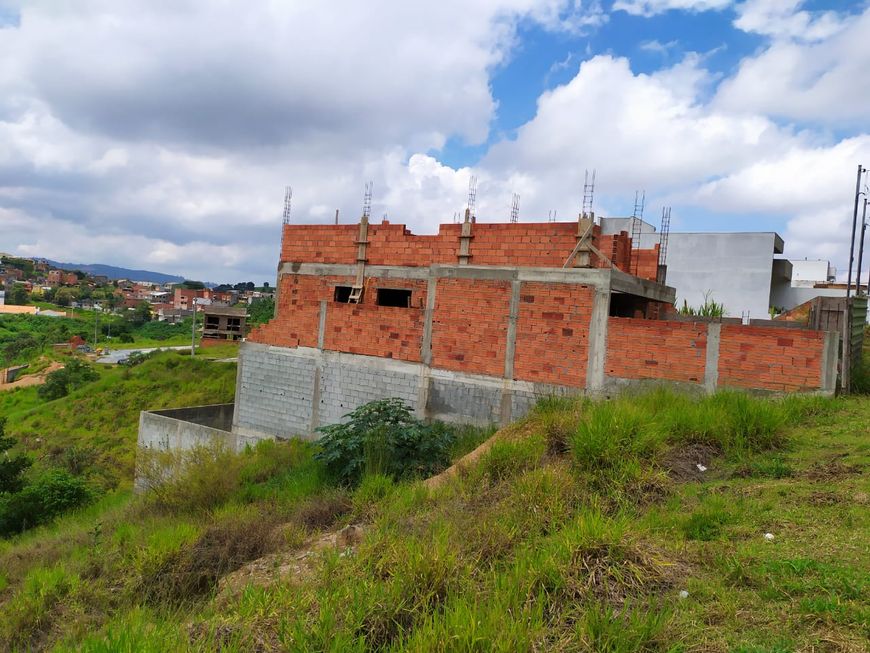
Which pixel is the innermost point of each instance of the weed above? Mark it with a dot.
(607, 630)
(191, 481)
(322, 511)
(507, 458)
(707, 521)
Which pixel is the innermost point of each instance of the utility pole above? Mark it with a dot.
(861, 248)
(193, 331)
(861, 171)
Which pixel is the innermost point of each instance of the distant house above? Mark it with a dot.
(184, 298)
(222, 324)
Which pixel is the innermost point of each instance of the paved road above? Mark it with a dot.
(116, 355)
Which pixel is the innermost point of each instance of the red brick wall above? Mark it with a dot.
(656, 349)
(552, 333)
(385, 331)
(469, 327)
(770, 358)
(298, 313)
(543, 244)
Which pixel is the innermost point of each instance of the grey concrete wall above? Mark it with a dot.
(736, 267)
(216, 416)
(274, 391)
(173, 430)
(186, 428)
(338, 383)
(787, 297)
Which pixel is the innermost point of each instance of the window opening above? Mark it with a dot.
(394, 297)
(342, 294)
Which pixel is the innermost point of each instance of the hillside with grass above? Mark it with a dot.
(93, 430)
(29, 338)
(650, 523)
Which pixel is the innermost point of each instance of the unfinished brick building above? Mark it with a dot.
(479, 321)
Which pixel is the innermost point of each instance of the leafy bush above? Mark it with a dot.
(383, 437)
(51, 494)
(59, 384)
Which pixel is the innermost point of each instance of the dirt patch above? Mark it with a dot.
(824, 498)
(831, 469)
(295, 564)
(32, 379)
(682, 462)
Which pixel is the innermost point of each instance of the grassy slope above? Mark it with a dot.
(102, 418)
(528, 550)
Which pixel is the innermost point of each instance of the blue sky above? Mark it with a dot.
(740, 114)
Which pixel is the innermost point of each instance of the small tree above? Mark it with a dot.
(60, 383)
(17, 295)
(383, 437)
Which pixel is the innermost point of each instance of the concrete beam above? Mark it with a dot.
(622, 282)
(599, 278)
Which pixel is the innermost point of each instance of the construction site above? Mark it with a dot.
(478, 322)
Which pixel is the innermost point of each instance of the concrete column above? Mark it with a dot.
(711, 364)
(426, 348)
(597, 352)
(510, 354)
(513, 316)
(239, 365)
(465, 240)
(321, 328)
(429, 314)
(830, 349)
(315, 398)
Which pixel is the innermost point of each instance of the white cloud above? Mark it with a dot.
(654, 45)
(167, 125)
(654, 7)
(785, 19)
(115, 150)
(825, 82)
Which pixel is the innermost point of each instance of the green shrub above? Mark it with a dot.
(383, 437)
(51, 494)
(60, 383)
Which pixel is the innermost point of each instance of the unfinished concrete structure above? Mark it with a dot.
(222, 324)
(477, 322)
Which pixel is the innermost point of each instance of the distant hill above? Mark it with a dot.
(113, 272)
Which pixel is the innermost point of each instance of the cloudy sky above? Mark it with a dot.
(161, 134)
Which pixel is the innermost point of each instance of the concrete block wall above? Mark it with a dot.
(274, 391)
(329, 385)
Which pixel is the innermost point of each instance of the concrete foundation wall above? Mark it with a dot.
(186, 428)
(321, 387)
